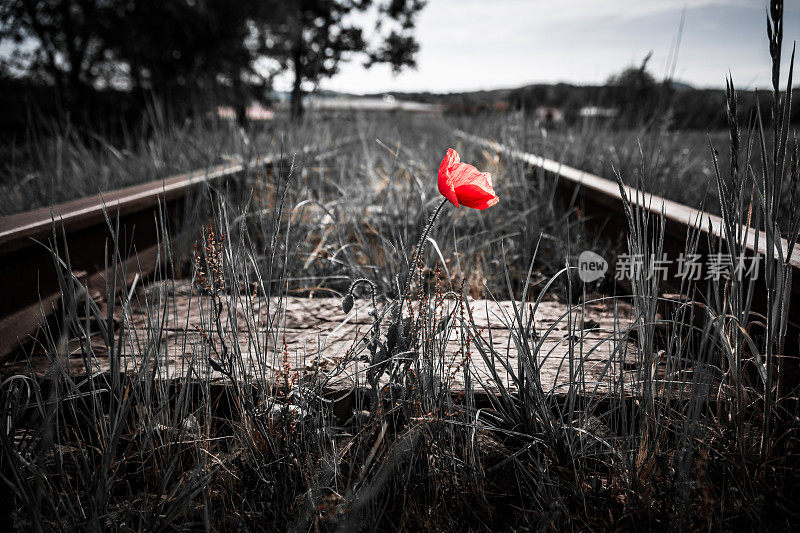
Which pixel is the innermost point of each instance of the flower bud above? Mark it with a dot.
(347, 303)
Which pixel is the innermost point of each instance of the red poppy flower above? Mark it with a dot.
(464, 184)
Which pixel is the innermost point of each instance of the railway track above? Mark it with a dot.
(31, 286)
(83, 228)
(603, 202)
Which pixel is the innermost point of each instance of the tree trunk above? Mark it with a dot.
(297, 90)
(240, 101)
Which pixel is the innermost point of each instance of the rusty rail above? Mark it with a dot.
(30, 285)
(28, 275)
(603, 200)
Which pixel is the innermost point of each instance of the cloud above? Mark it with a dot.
(471, 44)
(549, 11)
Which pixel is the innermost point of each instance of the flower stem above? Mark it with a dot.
(418, 253)
(371, 286)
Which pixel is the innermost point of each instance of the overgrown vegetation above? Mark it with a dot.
(693, 425)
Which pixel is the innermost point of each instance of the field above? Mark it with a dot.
(63, 163)
(208, 414)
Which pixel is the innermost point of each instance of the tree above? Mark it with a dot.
(311, 37)
(171, 49)
(67, 50)
(180, 48)
(177, 50)
(636, 92)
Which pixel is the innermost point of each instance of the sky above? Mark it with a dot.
(489, 44)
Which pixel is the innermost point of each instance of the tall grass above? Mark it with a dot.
(59, 161)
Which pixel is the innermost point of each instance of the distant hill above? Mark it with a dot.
(682, 86)
(551, 90)
(683, 104)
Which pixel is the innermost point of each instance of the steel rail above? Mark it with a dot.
(28, 278)
(604, 201)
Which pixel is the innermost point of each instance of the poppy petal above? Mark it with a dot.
(446, 187)
(474, 196)
(463, 184)
(464, 173)
(467, 174)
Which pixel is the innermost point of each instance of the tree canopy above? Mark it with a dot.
(312, 37)
(177, 50)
